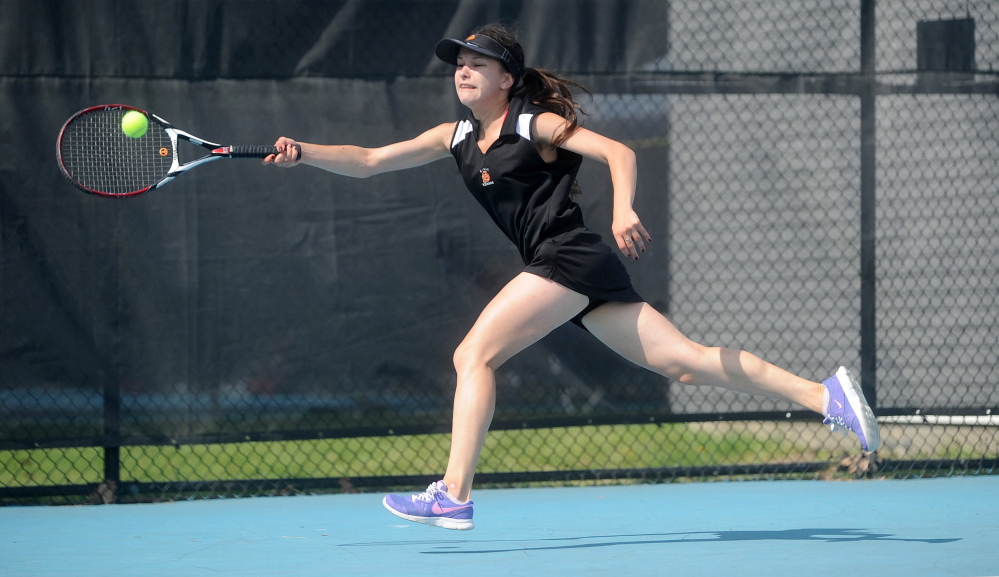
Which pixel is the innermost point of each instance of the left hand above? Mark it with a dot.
(629, 233)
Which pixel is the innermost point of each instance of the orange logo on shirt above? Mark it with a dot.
(486, 179)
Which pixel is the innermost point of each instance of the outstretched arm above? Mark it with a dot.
(628, 231)
(361, 162)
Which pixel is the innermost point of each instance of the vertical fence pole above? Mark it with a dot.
(868, 202)
(112, 432)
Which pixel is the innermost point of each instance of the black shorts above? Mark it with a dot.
(579, 260)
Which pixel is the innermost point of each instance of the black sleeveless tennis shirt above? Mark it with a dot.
(529, 199)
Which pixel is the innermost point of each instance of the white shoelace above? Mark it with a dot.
(837, 424)
(429, 495)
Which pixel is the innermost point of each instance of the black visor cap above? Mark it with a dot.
(447, 50)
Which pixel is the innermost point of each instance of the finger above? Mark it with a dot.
(644, 233)
(284, 156)
(289, 153)
(638, 242)
(282, 145)
(630, 249)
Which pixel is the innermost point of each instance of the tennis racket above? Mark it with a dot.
(96, 155)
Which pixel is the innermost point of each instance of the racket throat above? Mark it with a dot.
(179, 169)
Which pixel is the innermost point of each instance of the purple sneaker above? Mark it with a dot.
(432, 507)
(847, 410)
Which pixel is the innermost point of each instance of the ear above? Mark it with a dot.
(507, 82)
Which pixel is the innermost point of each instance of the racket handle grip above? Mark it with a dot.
(254, 151)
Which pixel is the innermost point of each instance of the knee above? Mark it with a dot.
(686, 368)
(676, 370)
(714, 366)
(469, 357)
(685, 377)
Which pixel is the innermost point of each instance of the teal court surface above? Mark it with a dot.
(922, 527)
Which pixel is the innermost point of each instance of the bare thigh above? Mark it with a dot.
(641, 334)
(525, 310)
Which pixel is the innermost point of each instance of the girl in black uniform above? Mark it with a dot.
(519, 150)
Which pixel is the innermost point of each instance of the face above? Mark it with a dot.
(480, 79)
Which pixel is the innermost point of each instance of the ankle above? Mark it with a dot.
(457, 494)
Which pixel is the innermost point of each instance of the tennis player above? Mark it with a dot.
(519, 150)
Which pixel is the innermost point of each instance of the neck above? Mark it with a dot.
(490, 113)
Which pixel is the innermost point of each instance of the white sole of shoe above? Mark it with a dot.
(855, 396)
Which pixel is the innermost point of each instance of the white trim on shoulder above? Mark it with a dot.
(524, 125)
(464, 127)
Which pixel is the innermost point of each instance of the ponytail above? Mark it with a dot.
(552, 92)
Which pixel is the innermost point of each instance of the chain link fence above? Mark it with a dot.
(820, 179)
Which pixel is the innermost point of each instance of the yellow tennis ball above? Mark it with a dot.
(134, 124)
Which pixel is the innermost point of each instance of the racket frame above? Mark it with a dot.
(215, 150)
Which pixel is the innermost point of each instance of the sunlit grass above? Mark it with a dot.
(572, 448)
(605, 447)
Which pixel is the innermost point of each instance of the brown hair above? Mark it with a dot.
(538, 86)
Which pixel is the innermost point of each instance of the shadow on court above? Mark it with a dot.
(466, 547)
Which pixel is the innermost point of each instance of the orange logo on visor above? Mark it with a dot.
(472, 37)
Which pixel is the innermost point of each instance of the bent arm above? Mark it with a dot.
(623, 167)
(359, 162)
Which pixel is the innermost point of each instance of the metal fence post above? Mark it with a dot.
(868, 202)
(112, 434)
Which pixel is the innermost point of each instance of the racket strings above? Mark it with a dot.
(97, 155)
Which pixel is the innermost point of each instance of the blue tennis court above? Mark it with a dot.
(927, 527)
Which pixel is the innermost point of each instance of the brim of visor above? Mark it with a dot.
(447, 50)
